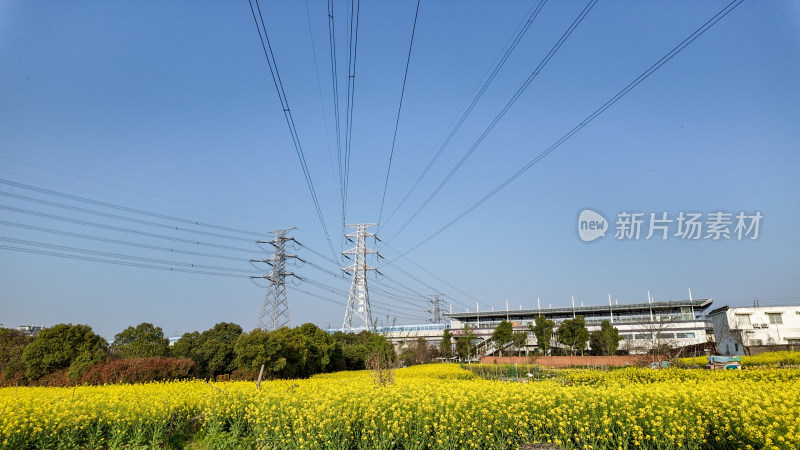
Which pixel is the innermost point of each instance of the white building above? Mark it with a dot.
(740, 331)
(642, 326)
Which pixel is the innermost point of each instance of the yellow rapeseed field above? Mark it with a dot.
(435, 406)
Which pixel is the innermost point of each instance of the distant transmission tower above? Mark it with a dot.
(275, 309)
(358, 315)
(436, 311)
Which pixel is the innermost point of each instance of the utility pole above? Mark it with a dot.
(436, 310)
(275, 309)
(358, 315)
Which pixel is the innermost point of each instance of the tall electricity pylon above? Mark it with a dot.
(436, 311)
(358, 315)
(275, 309)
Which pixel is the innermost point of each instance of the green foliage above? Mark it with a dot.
(212, 349)
(144, 341)
(63, 346)
(351, 350)
(254, 349)
(12, 366)
(446, 346)
(381, 359)
(543, 330)
(573, 334)
(605, 341)
(518, 340)
(321, 346)
(286, 352)
(465, 343)
(502, 335)
(417, 352)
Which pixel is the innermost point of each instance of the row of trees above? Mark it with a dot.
(298, 352)
(572, 334)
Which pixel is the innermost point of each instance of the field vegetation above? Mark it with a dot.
(440, 406)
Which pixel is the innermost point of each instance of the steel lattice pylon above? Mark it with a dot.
(436, 310)
(275, 309)
(358, 315)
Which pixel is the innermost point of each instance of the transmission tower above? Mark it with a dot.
(358, 315)
(436, 311)
(275, 309)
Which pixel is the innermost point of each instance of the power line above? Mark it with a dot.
(677, 49)
(335, 86)
(502, 112)
(131, 190)
(124, 208)
(399, 108)
(116, 262)
(319, 85)
(118, 217)
(403, 256)
(498, 64)
(287, 113)
(119, 256)
(119, 229)
(116, 241)
(351, 87)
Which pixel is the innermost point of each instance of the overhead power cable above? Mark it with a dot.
(263, 36)
(498, 64)
(355, 8)
(335, 86)
(319, 86)
(118, 217)
(117, 262)
(149, 194)
(502, 112)
(397, 119)
(120, 256)
(119, 242)
(125, 208)
(677, 49)
(120, 229)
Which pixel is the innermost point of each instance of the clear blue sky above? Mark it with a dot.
(170, 108)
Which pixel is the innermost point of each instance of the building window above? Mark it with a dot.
(743, 320)
(793, 341)
(757, 342)
(684, 335)
(643, 336)
(775, 318)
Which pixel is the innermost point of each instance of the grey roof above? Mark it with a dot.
(698, 304)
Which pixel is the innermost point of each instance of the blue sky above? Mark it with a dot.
(170, 108)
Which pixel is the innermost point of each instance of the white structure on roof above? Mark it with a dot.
(738, 329)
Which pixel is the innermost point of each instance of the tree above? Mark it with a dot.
(253, 349)
(605, 341)
(446, 346)
(321, 346)
(212, 349)
(143, 341)
(465, 343)
(63, 346)
(502, 335)
(518, 340)
(543, 330)
(186, 346)
(573, 334)
(12, 345)
(381, 359)
(351, 350)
